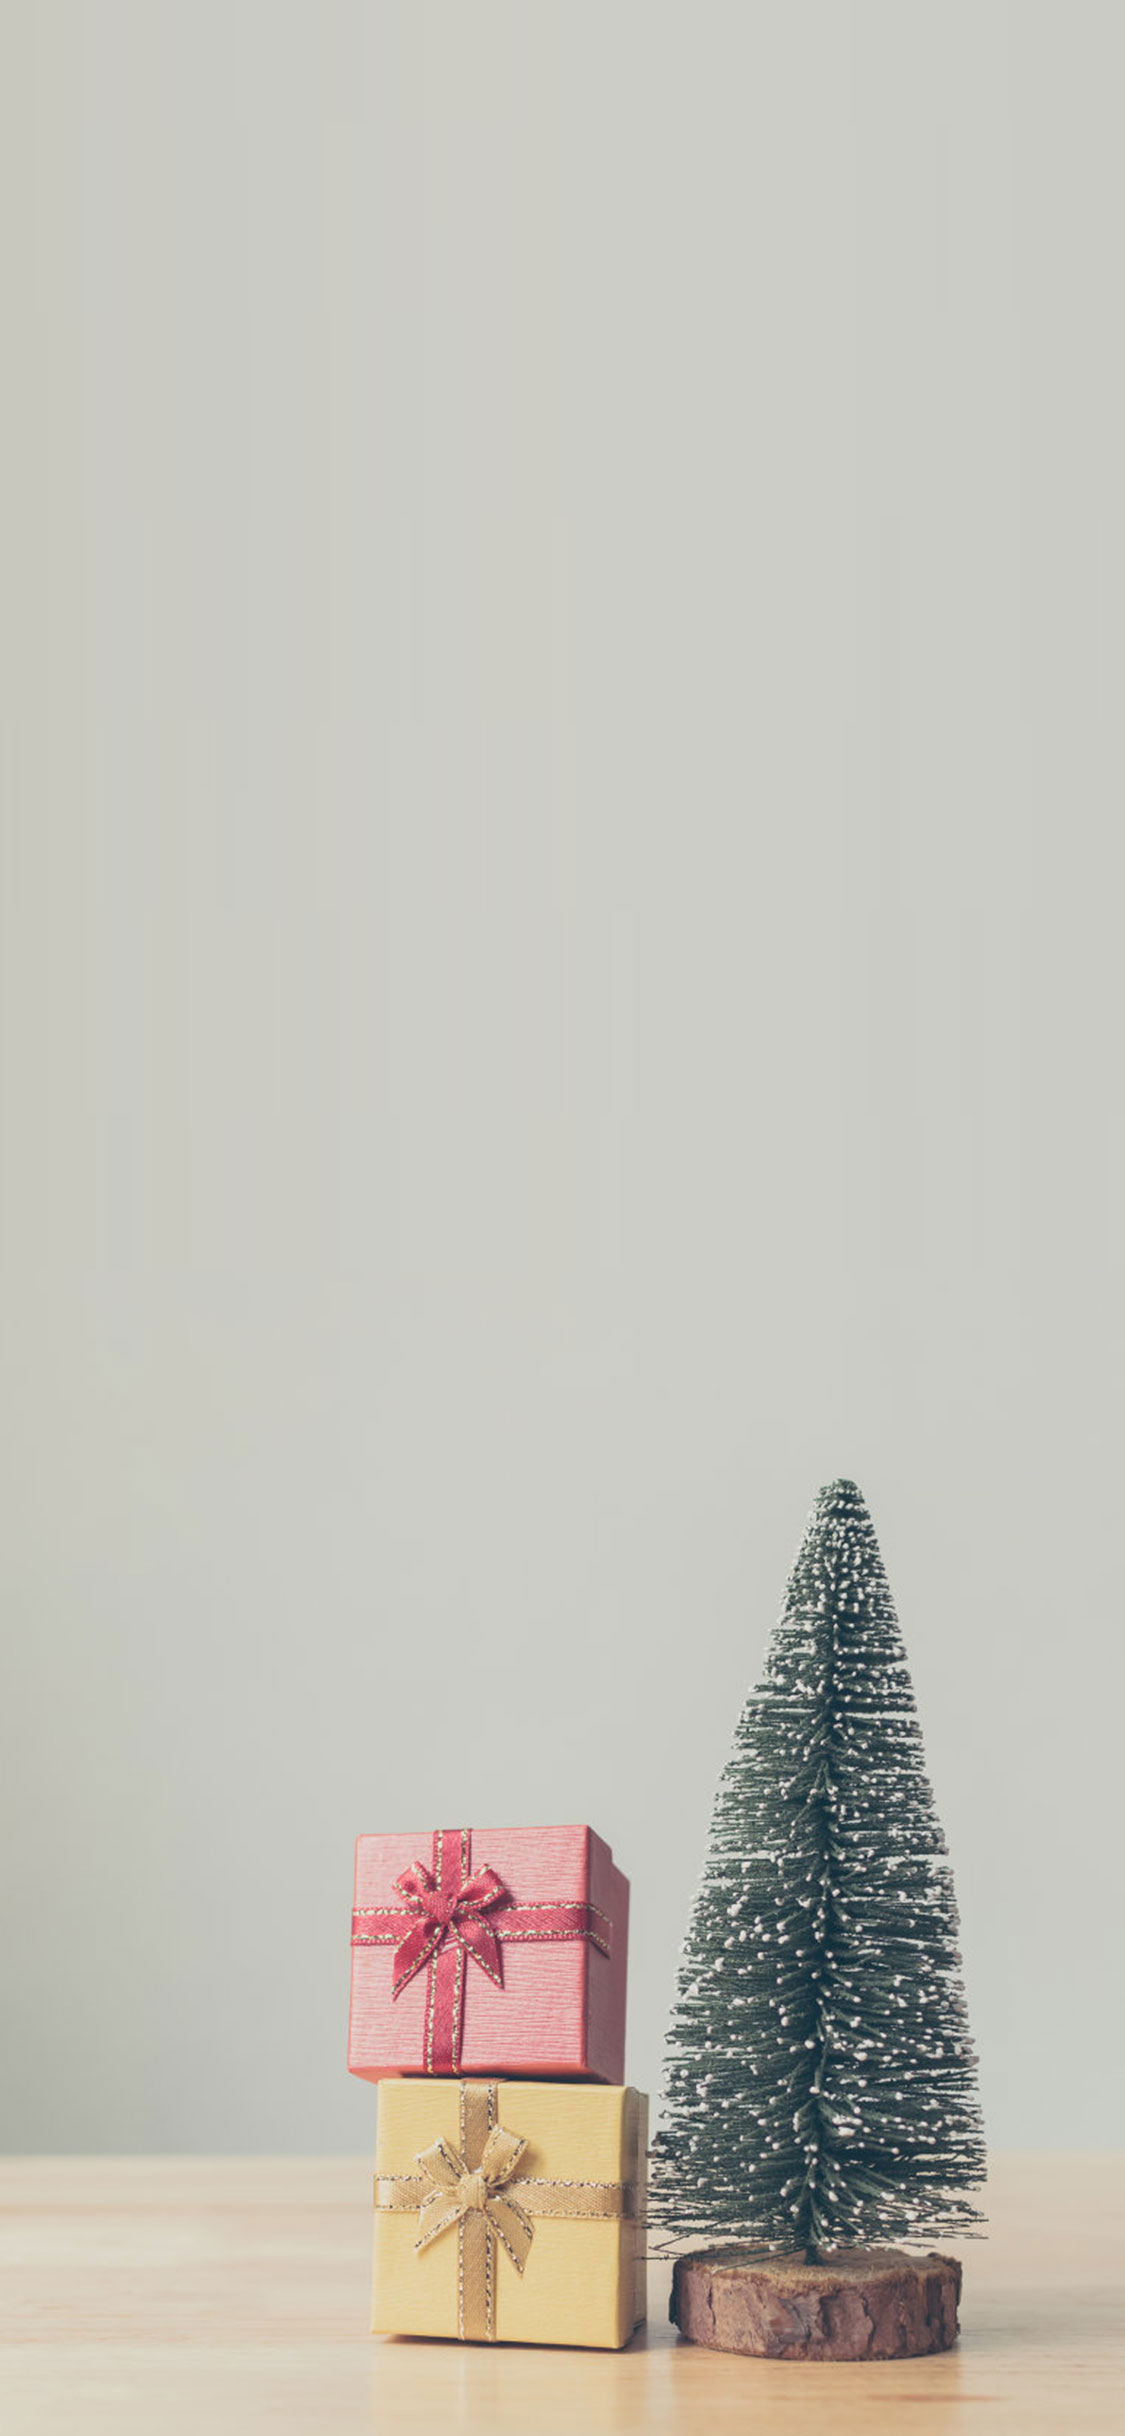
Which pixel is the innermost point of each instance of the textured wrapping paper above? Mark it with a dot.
(526, 1976)
(566, 2277)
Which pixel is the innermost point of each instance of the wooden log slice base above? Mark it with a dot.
(854, 2305)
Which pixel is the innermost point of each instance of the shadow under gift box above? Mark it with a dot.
(582, 2279)
(559, 2008)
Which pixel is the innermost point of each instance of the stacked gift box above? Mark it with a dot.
(488, 2000)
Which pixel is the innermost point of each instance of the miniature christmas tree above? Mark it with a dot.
(820, 2085)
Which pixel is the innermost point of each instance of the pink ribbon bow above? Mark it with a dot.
(442, 1911)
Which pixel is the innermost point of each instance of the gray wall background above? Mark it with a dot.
(564, 600)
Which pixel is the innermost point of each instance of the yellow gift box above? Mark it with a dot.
(510, 2211)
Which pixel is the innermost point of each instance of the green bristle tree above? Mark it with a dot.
(820, 2082)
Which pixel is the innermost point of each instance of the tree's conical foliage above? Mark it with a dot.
(820, 2083)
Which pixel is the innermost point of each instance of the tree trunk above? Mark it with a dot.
(853, 2305)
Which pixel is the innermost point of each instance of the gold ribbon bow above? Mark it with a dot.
(475, 2188)
(474, 2197)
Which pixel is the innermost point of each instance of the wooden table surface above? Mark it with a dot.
(230, 2294)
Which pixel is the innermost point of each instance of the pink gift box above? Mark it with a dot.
(491, 1950)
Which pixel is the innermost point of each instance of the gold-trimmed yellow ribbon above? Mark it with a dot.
(479, 2190)
(460, 2190)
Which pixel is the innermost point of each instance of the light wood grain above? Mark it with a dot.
(231, 2295)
